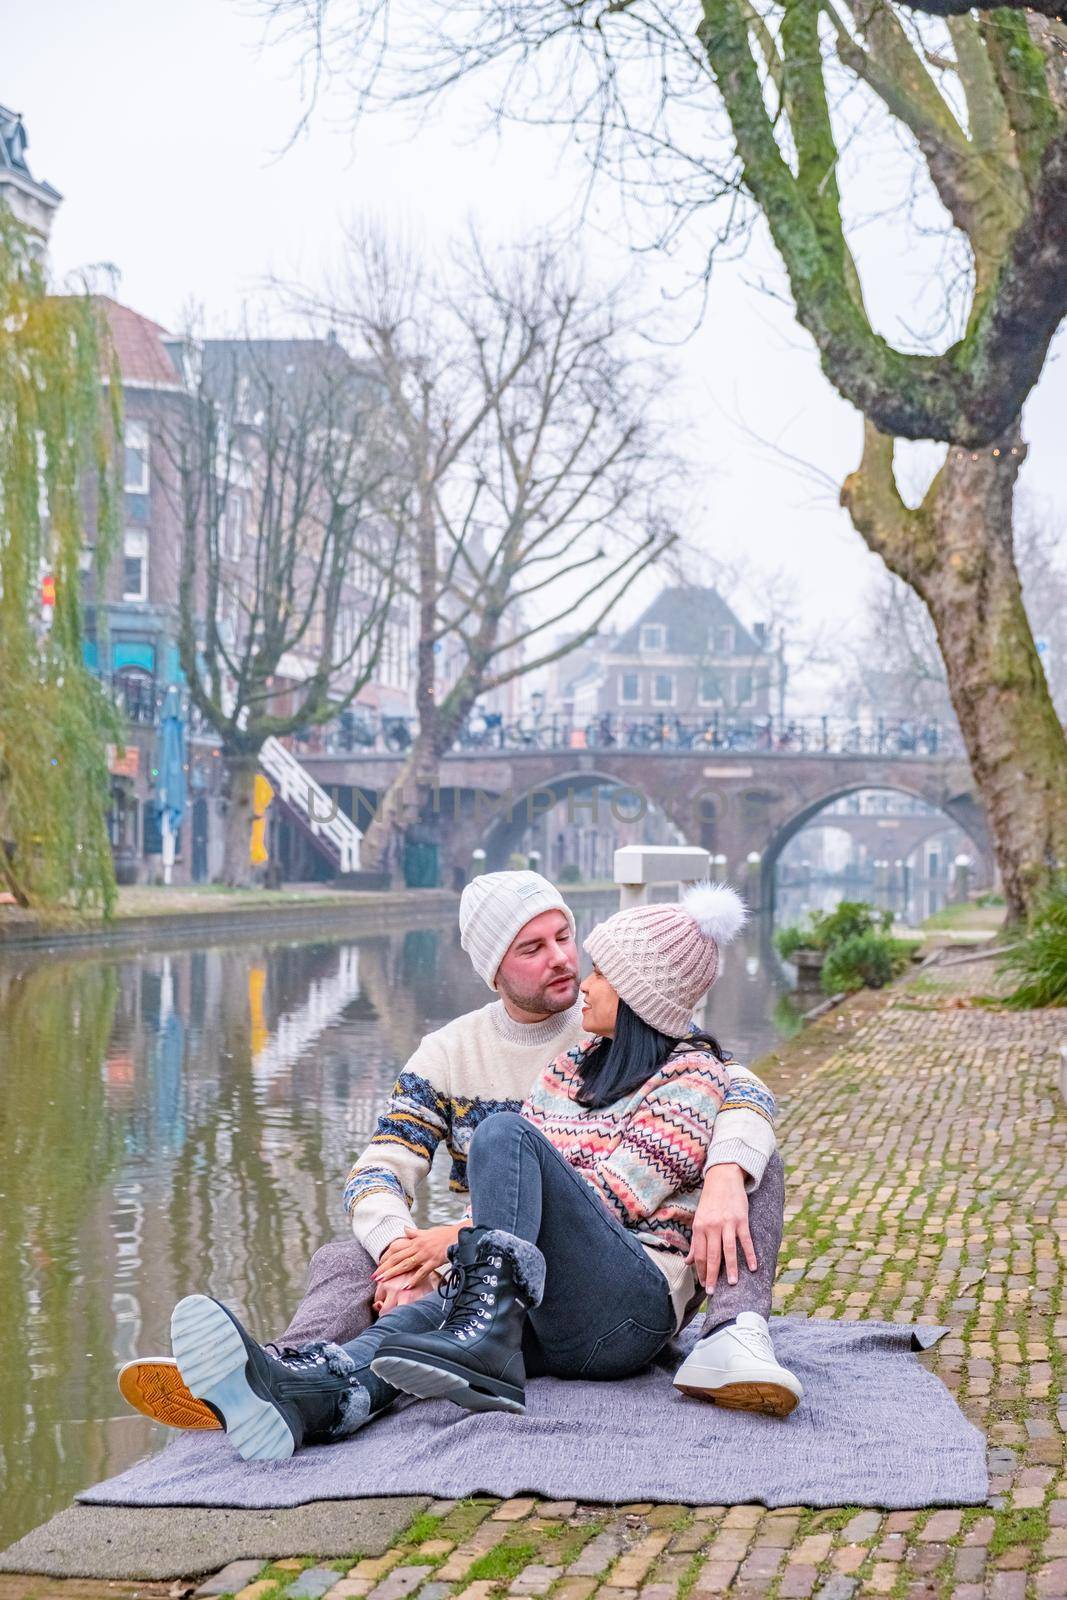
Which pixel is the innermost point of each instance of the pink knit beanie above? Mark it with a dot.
(663, 959)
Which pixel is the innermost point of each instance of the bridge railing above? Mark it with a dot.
(652, 733)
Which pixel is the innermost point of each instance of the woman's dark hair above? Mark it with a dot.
(615, 1067)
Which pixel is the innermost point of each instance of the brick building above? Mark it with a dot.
(132, 621)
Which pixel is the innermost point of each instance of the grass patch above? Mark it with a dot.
(1024, 1526)
(968, 915)
(690, 1575)
(424, 1527)
(834, 1521)
(501, 1565)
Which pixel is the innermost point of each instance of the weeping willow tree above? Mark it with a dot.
(57, 433)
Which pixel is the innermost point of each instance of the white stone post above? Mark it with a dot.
(754, 880)
(638, 867)
(961, 878)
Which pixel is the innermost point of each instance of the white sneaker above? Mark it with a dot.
(735, 1367)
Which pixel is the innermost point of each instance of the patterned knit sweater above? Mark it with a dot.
(645, 1155)
(483, 1062)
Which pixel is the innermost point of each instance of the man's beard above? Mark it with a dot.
(552, 997)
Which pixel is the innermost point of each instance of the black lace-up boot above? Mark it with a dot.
(269, 1404)
(475, 1357)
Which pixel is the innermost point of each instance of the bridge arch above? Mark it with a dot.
(506, 828)
(961, 809)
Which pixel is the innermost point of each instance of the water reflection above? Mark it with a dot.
(911, 905)
(179, 1119)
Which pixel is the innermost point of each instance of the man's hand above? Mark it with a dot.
(414, 1255)
(402, 1291)
(720, 1225)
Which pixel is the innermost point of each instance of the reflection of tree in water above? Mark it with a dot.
(59, 1143)
(248, 1191)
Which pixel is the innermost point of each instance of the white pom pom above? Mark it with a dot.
(718, 910)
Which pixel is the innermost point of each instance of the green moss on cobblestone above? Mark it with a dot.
(502, 1564)
(690, 1575)
(1016, 1527)
(425, 1526)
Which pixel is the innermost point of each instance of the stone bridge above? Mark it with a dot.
(887, 836)
(731, 803)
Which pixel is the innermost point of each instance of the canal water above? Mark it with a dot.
(179, 1119)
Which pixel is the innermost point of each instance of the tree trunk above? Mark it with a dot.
(957, 551)
(401, 806)
(237, 869)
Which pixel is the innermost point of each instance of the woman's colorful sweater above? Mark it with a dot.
(483, 1062)
(646, 1154)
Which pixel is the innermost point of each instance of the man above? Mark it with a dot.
(519, 934)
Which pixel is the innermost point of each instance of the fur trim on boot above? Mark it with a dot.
(527, 1262)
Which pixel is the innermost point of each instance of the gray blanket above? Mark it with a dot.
(874, 1429)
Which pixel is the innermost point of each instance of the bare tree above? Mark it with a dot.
(641, 76)
(537, 473)
(287, 570)
(724, 99)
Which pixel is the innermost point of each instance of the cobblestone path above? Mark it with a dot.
(926, 1146)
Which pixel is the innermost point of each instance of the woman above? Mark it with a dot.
(581, 1217)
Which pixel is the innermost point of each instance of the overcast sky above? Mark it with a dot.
(163, 125)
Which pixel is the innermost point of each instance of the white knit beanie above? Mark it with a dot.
(492, 909)
(663, 959)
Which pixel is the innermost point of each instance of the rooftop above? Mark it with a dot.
(13, 143)
(687, 612)
(140, 347)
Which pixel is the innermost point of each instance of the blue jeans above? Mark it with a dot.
(606, 1310)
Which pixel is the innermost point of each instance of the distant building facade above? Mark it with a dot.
(687, 655)
(30, 201)
(132, 618)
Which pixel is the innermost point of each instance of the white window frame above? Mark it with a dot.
(136, 437)
(672, 680)
(739, 676)
(624, 698)
(657, 630)
(138, 538)
(730, 631)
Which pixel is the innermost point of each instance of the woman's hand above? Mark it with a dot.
(416, 1254)
(402, 1291)
(720, 1225)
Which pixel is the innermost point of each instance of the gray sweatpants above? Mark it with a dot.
(338, 1302)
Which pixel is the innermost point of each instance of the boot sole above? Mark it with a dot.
(213, 1363)
(772, 1399)
(415, 1374)
(154, 1387)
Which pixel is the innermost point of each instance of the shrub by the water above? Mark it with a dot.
(570, 872)
(1040, 958)
(787, 941)
(864, 960)
(824, 929)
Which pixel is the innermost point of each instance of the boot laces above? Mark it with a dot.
(468, 1292)
(301, 1360)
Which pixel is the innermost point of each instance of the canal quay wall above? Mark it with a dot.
(925, 1144)
(185, 915)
